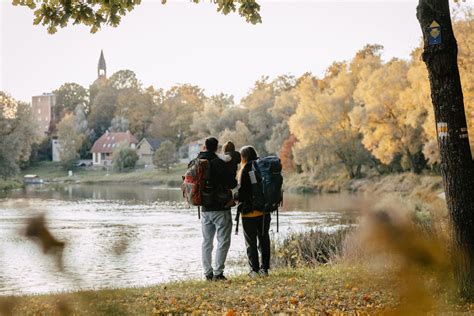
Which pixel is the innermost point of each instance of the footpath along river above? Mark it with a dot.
(125, 235)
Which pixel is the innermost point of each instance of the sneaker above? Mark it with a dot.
(253, 275)
(263, 273)
(219, 277)
(209, 276)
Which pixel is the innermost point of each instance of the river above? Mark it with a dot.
(124, 235)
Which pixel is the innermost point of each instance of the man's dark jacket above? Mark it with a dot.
(221, 177)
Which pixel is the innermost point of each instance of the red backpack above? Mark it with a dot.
(196, 181)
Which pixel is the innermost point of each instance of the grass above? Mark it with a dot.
(52, 172)
(10, 184)
(325, 289)
(337, 289)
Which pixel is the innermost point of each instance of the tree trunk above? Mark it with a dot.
(440, 56)
(358, 173)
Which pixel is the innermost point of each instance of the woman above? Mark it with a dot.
(255, 223)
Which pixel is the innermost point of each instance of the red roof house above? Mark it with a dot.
(104, 147)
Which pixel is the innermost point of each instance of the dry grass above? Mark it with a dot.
(308, 249)
(339, 289)
(327, 290)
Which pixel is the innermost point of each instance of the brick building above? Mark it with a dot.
(42, 111)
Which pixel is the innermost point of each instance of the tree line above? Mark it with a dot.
(364, 113)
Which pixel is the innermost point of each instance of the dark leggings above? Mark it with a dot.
(255, 229)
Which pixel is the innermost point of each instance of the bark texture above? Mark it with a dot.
(456, 162)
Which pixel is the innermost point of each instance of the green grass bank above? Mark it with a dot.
(52, 172)
(10, 184)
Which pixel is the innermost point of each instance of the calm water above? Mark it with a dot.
(122, 236)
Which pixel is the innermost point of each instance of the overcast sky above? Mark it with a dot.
(182, 42)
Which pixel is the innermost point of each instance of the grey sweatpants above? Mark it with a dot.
(219, 222)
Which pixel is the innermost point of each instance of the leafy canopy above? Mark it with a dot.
(165, 155)
(124, 158)
(95, 13)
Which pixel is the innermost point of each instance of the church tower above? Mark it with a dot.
(101, 68)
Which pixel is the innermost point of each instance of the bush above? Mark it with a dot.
(70, 164)
(124, 158)
(10, 184)
(309, 248)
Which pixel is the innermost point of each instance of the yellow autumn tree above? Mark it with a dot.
(420, 89)
(417, 96)
(240, 136)
(464, 34)
(70, 141)
(389, 124)
(322, 123)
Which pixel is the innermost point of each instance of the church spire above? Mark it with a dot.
(101, 68)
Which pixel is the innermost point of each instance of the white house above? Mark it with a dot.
(104, 147)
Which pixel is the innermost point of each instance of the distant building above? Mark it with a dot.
(104, 147)
(55, 150)
(41, 109)
(101, 67)
(190, 151)
(146, 149)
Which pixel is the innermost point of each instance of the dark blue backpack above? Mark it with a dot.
(270, 180)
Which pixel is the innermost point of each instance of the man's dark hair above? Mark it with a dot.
(211, 144)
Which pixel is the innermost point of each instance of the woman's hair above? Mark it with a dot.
(248, 153)
(228, 147)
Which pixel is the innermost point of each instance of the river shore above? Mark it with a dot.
(402, 183)
(53, 173)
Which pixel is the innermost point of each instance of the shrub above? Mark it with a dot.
(309, 248)
(70, 164)
(124, 158)
(9, 184)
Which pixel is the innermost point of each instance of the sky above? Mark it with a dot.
(183, 42)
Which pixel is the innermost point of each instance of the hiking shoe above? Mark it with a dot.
(209, 277)
(219, 277)
(263, 273)
(253, 275)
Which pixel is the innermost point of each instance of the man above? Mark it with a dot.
(216, 216)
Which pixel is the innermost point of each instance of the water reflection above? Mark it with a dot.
(121, 236)
(116, 192)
